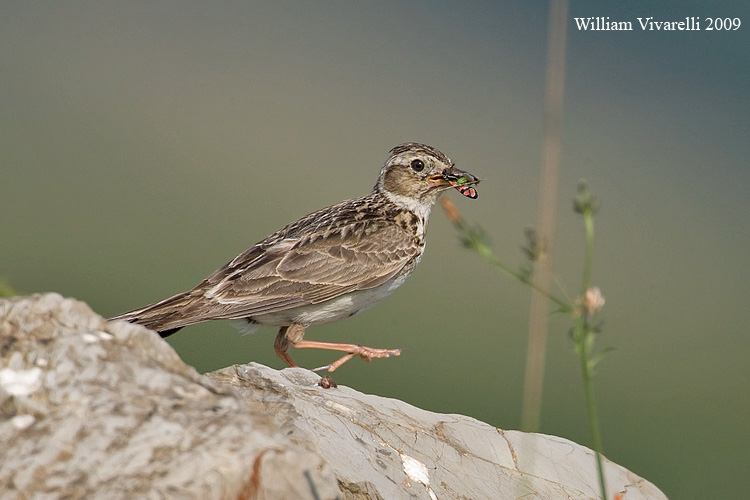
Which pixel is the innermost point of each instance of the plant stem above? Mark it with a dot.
(489, 256)
(582, 343)
(583, 336)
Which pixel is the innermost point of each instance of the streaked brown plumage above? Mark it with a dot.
(326, 266)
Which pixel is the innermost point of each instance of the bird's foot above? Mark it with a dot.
(352, 350)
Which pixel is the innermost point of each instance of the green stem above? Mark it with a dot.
(487, 254)
(583, 336)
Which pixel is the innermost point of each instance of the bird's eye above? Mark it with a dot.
(417, 165)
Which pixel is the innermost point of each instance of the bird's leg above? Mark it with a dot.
(292, 335)
(282, 344)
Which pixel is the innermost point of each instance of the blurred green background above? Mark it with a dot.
(145, 144)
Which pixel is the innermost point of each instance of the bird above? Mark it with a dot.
(327, 266)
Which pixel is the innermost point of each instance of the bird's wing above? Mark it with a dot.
(302, 271)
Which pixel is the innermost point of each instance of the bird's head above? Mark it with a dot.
(415, 174)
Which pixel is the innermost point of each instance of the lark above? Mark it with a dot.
(326, 266)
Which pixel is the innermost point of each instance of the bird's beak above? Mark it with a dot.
(459, 179)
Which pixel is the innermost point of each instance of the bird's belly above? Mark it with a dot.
(332, 310)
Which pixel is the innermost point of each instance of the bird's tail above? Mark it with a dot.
(164, 317)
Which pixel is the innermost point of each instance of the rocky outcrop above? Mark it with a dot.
(97, 409)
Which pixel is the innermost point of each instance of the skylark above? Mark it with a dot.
(329, 265)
